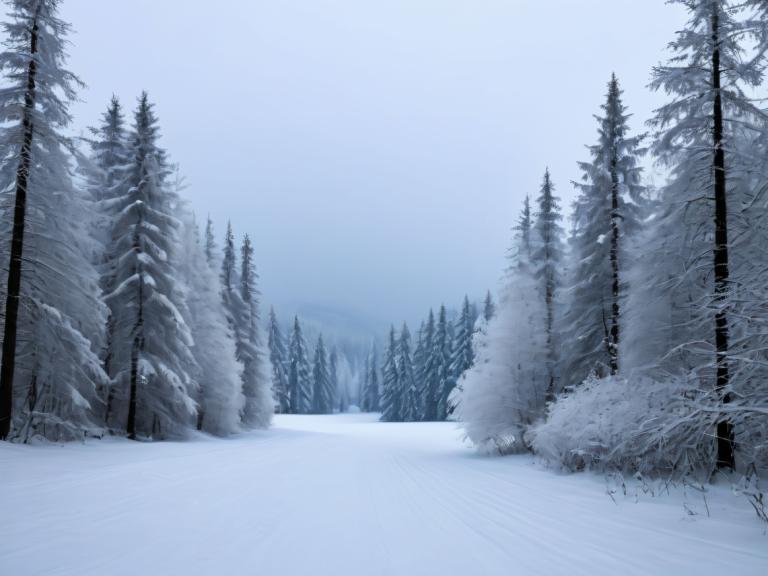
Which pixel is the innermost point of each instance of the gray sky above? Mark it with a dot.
(377, 151)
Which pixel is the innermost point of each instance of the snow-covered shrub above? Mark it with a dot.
(505, 391)
(639, 424)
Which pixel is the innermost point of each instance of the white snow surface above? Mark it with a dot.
(347, 495)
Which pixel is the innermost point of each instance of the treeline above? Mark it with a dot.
(306, 381)
(638, 340)
(119, 316)
(416, 381)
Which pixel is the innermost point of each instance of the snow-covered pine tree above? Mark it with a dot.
(391, 394)
(504, 391)
(409, 390)
(338, 395)
(153, 393)
(257, 374)
(53, 318)
(278, 357)
(696, 137)
(219, 375)
(363, 392)
(489, 307)
(428, 379)
(605, 212)
(463, 353)
(299, 372)
(440, 360)
(107, 180)
(211, 250)
(546, 259)
(322, 393)
(371, 394)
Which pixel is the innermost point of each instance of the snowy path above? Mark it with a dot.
(344, 495)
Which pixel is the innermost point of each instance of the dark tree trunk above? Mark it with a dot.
(136, 349)
(613, 340)
(725, 438)
(8, 366)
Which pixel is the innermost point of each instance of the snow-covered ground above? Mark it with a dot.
(346, 495)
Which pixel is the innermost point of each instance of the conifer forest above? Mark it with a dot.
(408, 287)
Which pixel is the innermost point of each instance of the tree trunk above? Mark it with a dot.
(725, 438)
(136, 348)
(613, 341)
(17, 243)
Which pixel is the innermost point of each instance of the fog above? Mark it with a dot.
(377, 152)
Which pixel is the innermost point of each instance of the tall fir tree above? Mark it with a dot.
(428, 378)
(299, 372)
(371, 401)
(278, 357)
(322, 392)
(339, 395)
(605, 213)
(153, 393)
(546, 258)
(441, 363)
(463, 353)
(53, 319)
(489, 307)
(697, 137)
(391, 394)
(406, 376)
(219, 375)
(257, 377)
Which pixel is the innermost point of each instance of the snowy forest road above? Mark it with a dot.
(346, 495)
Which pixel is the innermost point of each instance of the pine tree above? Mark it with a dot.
(107, 180)
(219, 375)
(322, 393)
(428, 374)
(504, 391)
(371, 400)
(257, 378)
(546, 257)
(299, 372)
(605, 212)
(278, 357)
(339, 393)
(463, 353)
(696, 136)
(441, 363)
(151, 358)
(408, 389)
(53, 318)
(391, 396)
(211, 250)
(489, 308)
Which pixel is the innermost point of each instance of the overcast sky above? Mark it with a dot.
(377, 151)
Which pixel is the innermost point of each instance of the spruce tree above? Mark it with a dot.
(463, 353)
(441, 364)
(546, 257)
(322, 393)
(151, 358)
(489, 308)
(257, 381)
(408, 389)
(391, 394)
(428, 378)
(218, 375)
(339, 395)
(278, 357)
(696, 134)
(605, 212)
(53, 318)
(299, 372)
